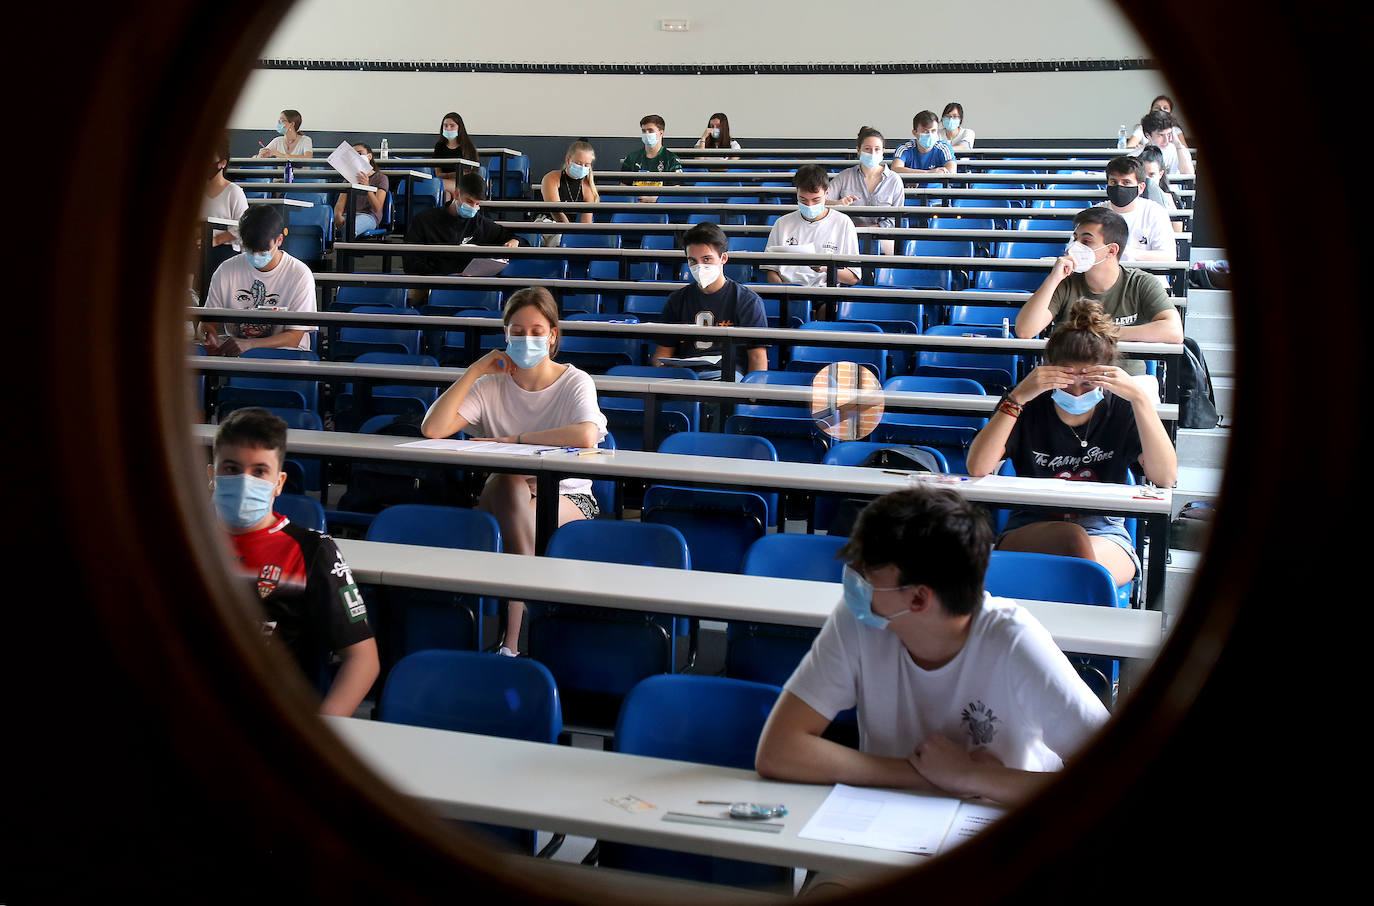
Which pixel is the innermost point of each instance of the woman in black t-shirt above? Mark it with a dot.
(454, 141)
(1082, 418)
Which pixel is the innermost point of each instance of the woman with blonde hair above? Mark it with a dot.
(573, 182)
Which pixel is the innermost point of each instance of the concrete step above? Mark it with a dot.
(1221, 357)
(1178, 581)
(1224, 388)
(1198, 253)
(1210, 329)
(1196, 483)
(1203, 447)
(1208, 302)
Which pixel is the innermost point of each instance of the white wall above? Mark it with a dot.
(1004, 105)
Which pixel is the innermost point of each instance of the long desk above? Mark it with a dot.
(1091, 196)
(789, 165)
(1048, 494)
(780, 182)
(1080, 628)
(1074, 155)
(537, 786)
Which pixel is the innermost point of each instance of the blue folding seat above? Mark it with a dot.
(284, 393)
(811, 359)
(625, 415)
(854, 453)
(949, 434)
(349, 298)
(354, 341)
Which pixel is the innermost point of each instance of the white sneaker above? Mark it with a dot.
(506, 652)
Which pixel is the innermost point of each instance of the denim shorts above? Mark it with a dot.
(1112, 527)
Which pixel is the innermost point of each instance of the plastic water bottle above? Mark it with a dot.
(288, 176)
(386, 149)
(1006, 327)
(1120, 138)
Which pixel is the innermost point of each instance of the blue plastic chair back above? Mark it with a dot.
(612, 541)
(982, 316)
(703, 719)
(813, 358)
(472, 692)
(646, 308)
(272, 392)
(301, 509)
(539, 268)
(853, 453)
(489, 300)
(892, 317)
(436, 526)
(719, 525)
(350, 298)
(796, 556)
(996, 371)
(354, 341)
(584, 303)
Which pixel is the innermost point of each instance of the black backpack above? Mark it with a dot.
(906, 458)
(1197, 403)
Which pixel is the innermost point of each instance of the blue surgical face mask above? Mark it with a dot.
(243, 500)
(650, 139)
(527, 351)
(450, 134)
(926, 140)
(577, 171)
(259, 259)
(715, 132)
(1077, 405)
(950, 123)
(466, 211)
(858, 597)
(281, 128)
(811, 211)
(871, 160)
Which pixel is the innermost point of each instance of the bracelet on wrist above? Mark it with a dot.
(1009, 406)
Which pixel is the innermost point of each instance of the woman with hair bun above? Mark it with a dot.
(1082, 418)
(573, 182)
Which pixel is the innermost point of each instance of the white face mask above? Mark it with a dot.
(1083, 257)
(704, 274)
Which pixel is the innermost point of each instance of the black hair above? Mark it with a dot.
(924, 120)
(655, 120)
(1151, 152)
(1156, 120)
(1125, 166)
(867, 132)
(472, 184)
(933, 536)
(707, 233)
(810, 177)
(466, 149)
(724, 140)
(950, 108)
(253, 427)
(1114, 228)
(258, 226)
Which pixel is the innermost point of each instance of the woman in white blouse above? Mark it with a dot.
(289, 143)
(952, 126)
(225, 200)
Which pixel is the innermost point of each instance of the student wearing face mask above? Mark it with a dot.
(958, 693)
(717, 134)
(652, 157)
(811, 228)
(1161, 102)
(927, 152)
(1157, 187)
(290, 142)
(1151, 238)
(573, 182)
(454, 141)
(519, 395)
(1082, 418)
(223, 199)
(1090, 267)
(868, 183)
(460, 222)
(1159, 130)
(265, 277)
(712, 300)
(952, 128)
(311, 606)
(369, 205)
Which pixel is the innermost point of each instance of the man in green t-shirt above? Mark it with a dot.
(1091, 268)
(653, 157)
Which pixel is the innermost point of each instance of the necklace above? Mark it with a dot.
(1081, 441)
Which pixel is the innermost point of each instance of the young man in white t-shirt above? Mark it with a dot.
(1151, 236)
(1158, 129)
(957, 692)
(812, 228)
(265, 277)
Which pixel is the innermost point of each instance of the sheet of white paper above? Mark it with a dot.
(691, 361)
(484, 267)
(970, 821)
(1017, 481)
(477, 446)
(904, 822)
(349, 163)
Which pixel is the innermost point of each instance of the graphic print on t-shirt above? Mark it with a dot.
(255, 296)
(831, 246)
(707, 318)
(1072, 467)
(980, 722)
(349, 594)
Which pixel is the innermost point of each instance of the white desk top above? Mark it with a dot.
(1110, 631)
(286, 202)
(538, 786)
(750, 474)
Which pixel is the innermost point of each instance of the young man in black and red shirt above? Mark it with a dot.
(312, 605)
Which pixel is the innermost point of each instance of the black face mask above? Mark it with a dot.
(1122, 195)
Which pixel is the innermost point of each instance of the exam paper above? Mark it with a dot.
(477, 446)
(972, 819)
(349, 163)
(881, 819)
(484, 267)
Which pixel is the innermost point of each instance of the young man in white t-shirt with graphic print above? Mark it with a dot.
(812, 228)
(265, 277)
(957, 692)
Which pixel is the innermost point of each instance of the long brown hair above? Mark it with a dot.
(1088, 334)
(466, 149)
(724, 140)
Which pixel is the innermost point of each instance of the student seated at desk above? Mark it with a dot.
(653, 157)
(1160, 129)
(1161, 102)
(1157, 187)
(811, 228)
(264, 276)
(312, 605)
(572, 183)
(1078, 417)
(289, 143)
(519, 395)
(1090, 267)
(712, 300)
(460, 222)
(926, 152)
(957, 692)
(717, 134)
(953, 130)
(369, 204)
(1151, 238)
(454, 141)
(869, 183)
(225, 200)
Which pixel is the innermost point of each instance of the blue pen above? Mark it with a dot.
(561, 450)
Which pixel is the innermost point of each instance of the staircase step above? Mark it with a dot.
(1221, 358)
(1196, 483)
(1224, 388)
(1210, 329)
(1208, 302)
(1178, 581)
(1203, 447)
(1198, 253)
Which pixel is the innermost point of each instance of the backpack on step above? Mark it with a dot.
(1197, 402)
